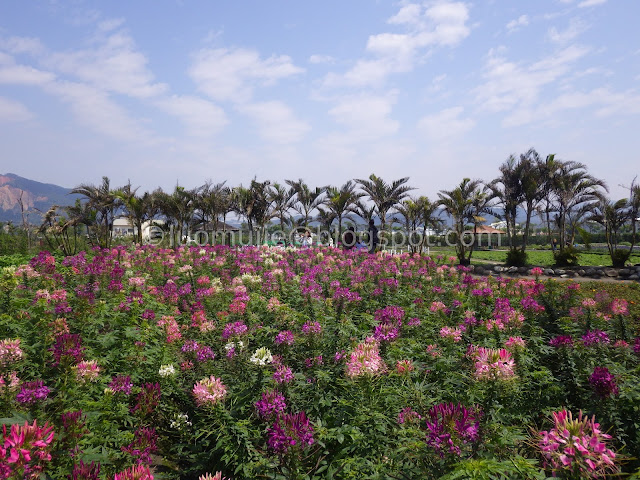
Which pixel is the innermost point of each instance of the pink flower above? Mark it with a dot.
(25, 450)
(87, 371)
(514, 343)
(136, 472)
(209, 391)
(494, 364)
(365, 359)
(454, 334)
(404, 367)
(577, 447)
(620, 306)
(10, 352)
(217, 476)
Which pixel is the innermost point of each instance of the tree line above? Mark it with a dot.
(561, 193)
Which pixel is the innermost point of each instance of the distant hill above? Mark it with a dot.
(36, 197)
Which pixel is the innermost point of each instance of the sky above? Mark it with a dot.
(163, 92)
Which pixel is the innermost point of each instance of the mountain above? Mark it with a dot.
(36, 197)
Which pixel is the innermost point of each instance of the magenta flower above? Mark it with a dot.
(148, 399)
(450, 427)
(561, 341)
(386, 332)
(595, 337)
(290, 431)
(576, 446)
(270, 404)
(603, 382)
(284, 337)
(32, 392)
(408, 415)
(85, 471)
(143, 445)
(234, 329)
(67, 349)
(283, 374)
(25, 450)
(121, 384)
(311, 328)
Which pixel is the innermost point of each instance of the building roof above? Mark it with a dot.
(487, 229)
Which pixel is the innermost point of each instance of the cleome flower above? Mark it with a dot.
(365, 359)
(290, 431)
(576, 446)
(262, 356)
(209, 391)
(450, 427)
(494, 364)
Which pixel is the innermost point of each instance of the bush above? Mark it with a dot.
(566, 258)
(516, 258)
(620, 257)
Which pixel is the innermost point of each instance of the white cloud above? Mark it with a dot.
(95, 110)
(521, 21)
(321, 59)
(438, 25)
(24, 75)
(275, 121)
(20, 45)
(511, 85)
(445, 125)
(575, 28)
(366, 116)
(231, 74)
(12, 111)
(115, 66)
(591, 3)
(201, 117)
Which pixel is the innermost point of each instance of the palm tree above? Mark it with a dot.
(364, 211)
(138, 209)
(282, 200)
(306, 200)
(463, 205)
(178, 209)
(325, 218)
(507, 190)
(253, 204)
(613, 217)
(213, 202)
(103, 200)
(576, 192)
(419, 212)
(341, 201)
(385, 196)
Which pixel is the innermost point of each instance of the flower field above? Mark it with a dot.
(214, 362)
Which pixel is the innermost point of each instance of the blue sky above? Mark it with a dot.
(161, 92)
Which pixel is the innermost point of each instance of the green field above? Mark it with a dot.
(545, 257)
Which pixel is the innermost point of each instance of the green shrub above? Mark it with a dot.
(566, 258)
(516, 258)
(619, 258)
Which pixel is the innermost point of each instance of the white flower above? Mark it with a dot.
(262, 356)
(166, 370)
(229, 346)
(181, 421)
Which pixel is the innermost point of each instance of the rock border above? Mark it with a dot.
(627, 273)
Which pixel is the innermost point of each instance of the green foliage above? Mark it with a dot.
(567, 257)
(516, 258)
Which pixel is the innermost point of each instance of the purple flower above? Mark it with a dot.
(636, 346)
(290, 431)
(148, 399)
(121, 384)
(595, 337)
(31, 392)
(283, 374)
(67, 347)
(143, 445)
(450, 427)
(84, 471)
(270, 404)
(386, 332)
(285, 336)
(310, 328)
(408, 415)
(603, 382)
(561, 341)
(234, 329)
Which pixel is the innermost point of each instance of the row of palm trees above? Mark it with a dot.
(562, 193)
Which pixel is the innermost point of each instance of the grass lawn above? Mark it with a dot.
(545, 257)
